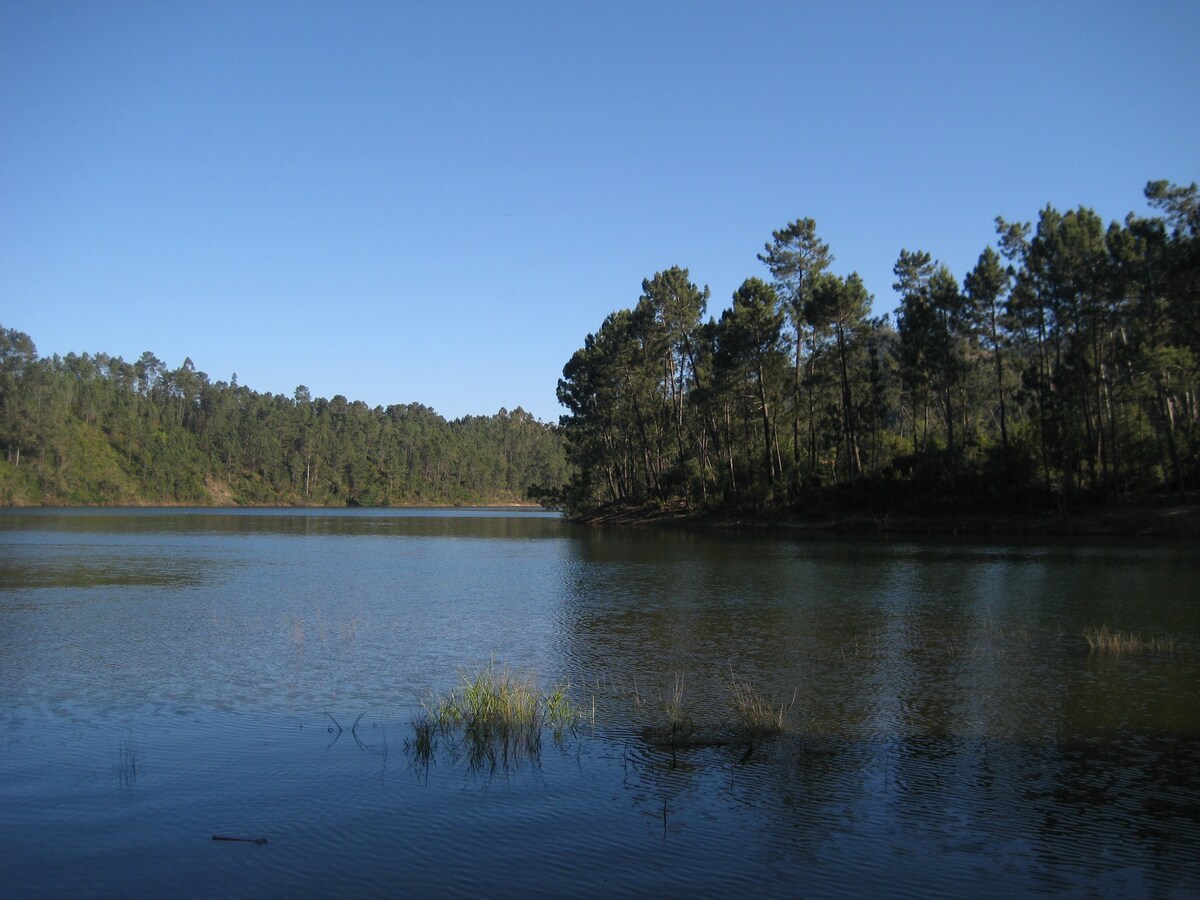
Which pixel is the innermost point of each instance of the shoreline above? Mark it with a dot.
(261, 506)
(1132, 519)
(1153, 519)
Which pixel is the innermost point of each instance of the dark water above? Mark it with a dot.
(170, 675)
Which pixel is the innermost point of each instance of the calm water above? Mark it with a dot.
(170, 675)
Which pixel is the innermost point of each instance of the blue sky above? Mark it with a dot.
(436, 202)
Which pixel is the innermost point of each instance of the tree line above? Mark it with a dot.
(1063, 365)
(96, 429)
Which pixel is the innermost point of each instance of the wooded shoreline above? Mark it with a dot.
(90, 430)
(1061, 372)
(1159, 518)
(151, 504)
(1166, 517)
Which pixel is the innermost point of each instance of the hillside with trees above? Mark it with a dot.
(1062, 368)
(86, 429)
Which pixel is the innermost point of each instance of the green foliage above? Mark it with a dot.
(97, 430)
(494, 718)
(1064, 364)
(18, 486)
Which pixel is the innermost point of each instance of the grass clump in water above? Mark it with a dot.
(560, 712)
(1106, 641)
(754, 715)
(495, 717)
(679, 716)
(679, 730)
(495, 700)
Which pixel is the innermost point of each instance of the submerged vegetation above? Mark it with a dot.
(1063, 368)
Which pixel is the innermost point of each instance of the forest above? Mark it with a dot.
(98, 430)
(1061, 369)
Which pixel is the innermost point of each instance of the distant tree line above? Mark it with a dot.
(1063, 365)
(101, 430)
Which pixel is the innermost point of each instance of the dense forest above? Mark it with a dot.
(100, 430)
(1062, 367)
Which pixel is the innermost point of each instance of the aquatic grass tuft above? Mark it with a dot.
(495, 717)
(560, 711)
(495, 700)
(1103, 640)
(754, 715)
(679, 727)
(679, 717)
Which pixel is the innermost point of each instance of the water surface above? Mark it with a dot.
(167, 675)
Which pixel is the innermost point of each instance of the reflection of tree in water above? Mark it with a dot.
(943, 709)
(128, 764)
(1133, 796)
(643, 610)
(644, 607)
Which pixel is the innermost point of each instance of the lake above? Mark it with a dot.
(171, 675)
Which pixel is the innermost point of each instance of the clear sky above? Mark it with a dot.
(436, 202)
